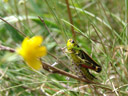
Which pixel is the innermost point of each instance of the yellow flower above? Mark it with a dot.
(31, 50)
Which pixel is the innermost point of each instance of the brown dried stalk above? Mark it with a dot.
(59, 71)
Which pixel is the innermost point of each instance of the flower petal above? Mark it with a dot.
(41, 51)
(25, 42)
(36, 40)
(34, 63)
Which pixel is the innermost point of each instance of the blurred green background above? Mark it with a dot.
(101, 30)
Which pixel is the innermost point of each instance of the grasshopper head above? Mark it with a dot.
(71, 44)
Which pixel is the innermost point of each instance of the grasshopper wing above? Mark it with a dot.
(89, 62)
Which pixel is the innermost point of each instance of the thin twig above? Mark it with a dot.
(4, 48)
(94, 40)
(70, 18)
(60, 61)
(17, 14)
(56, 70)
(26, 12)
(13, 26)
(47, 28)
(3, 73)
(99, 38)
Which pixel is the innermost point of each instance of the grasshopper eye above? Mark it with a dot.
(77, 45)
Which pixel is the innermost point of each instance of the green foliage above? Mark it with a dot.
(101, 30)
